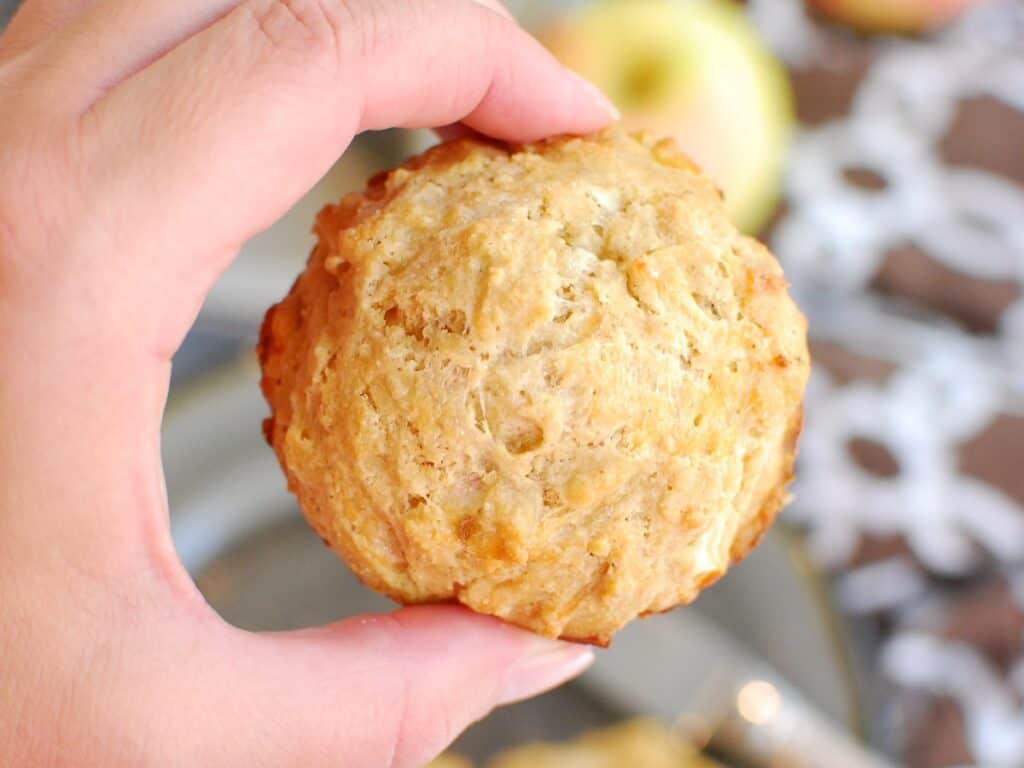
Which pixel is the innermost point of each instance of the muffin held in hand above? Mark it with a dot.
(551, 382)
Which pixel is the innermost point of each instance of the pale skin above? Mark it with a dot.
(141, 143)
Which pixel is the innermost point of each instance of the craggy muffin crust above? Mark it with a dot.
(551, 382)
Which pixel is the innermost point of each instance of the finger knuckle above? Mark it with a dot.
(320, 32)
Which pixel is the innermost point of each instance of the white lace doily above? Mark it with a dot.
(948, 384)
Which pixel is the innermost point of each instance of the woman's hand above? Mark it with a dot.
(141, 143)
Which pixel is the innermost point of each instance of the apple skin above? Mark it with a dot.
(895, 16)
(695, 70)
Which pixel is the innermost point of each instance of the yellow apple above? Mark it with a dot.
(898, 16)
(696, 70)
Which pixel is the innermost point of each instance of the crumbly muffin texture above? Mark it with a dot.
(551, 382)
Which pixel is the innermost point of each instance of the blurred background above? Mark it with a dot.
(878, 147)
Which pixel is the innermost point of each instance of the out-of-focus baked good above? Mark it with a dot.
(450, 760)
(640, 743)
(551, 382)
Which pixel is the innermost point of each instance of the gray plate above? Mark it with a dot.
(241, 536)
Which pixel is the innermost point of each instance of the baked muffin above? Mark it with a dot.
(450, 760)
(551, 382)
(643, 743)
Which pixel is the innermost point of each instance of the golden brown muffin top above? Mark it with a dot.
(551, 382)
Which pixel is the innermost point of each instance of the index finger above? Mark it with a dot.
(221, 135)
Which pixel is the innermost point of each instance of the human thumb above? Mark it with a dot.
(383, 690)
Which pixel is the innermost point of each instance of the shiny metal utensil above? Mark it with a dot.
(719, 694)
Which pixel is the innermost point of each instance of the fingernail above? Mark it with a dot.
(596, 94)
(549, 664)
